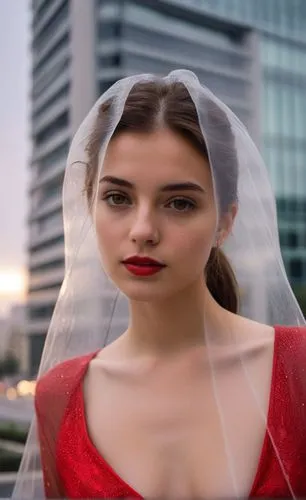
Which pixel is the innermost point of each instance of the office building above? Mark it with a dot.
(79, 48)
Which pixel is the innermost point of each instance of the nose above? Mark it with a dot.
(144, 230)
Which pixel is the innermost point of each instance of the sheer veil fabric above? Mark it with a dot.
(89, 302)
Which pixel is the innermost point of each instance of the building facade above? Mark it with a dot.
(280, 25)
(80, 48)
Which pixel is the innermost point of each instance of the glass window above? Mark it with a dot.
(299, 112)
(265, 115)
(57, 154)
(110, 60)
(53, 24)
(48, 78)
(278, 170)
(281, 205)
(37, 342)
(46, 245)
(52, 190)
(174, 45)
(223, 86)
(282, 238)
(58, 124)
(301, 16)
(270, 160)
(108, 30)
(296, 268)
(47, 59)
(235, 8)
(292, 205)
(265, 11)
(151, 19)
(292, 239)
(275, 17)
(41, 312)
(257, 11)
(286, 59)
(300, 164)
(287, 16)
(104, 85)
(50, 222)
(287, 110)
(40, 12)
(110, 8)
(265, 51)
(275, 54)
(300, 61)
(63, 92)
(273, 107)
(36, 288)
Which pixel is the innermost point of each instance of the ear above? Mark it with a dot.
(226, 224)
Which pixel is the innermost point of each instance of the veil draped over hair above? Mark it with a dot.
(91, 312)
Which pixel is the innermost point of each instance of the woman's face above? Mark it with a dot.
(155, 200)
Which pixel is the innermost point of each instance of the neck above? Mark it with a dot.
(170, 326)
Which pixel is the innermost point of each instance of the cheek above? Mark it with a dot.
(107, 233)
(194, 242)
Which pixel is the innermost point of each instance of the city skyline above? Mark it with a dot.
(15, 144)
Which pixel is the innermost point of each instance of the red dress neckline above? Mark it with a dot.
(79, 404)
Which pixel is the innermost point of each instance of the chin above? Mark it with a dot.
(154, 291)
(151, 289)
(143, 290)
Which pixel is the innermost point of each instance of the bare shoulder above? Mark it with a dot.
(116, 364)
(250, 333)
(113, 358)
(105, 363)
(288, 342)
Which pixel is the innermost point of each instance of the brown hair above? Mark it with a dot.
(151, 104)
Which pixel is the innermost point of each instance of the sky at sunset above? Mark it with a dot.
(14, 146)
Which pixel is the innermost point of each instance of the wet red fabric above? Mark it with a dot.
(73, 468)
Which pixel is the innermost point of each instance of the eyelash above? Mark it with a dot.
(110, 196)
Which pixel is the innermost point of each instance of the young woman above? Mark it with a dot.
(193, 400)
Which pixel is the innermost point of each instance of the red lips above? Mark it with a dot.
(142, 261)
(143, 266)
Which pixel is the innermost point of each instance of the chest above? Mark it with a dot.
(168, 436)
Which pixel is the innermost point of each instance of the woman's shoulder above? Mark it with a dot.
(61, 380)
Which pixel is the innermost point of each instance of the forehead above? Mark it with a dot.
(159, 156)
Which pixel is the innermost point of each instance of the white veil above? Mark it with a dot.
(88, 300)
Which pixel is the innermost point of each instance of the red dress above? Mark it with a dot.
(73, 468)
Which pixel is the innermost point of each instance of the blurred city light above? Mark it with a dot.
(26, 388)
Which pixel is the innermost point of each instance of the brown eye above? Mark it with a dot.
(182, 205)
(116, 199)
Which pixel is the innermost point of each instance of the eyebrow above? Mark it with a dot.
(175, 186)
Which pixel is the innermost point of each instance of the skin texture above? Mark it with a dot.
(150, 404)
(177, 228)
(149, 221)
